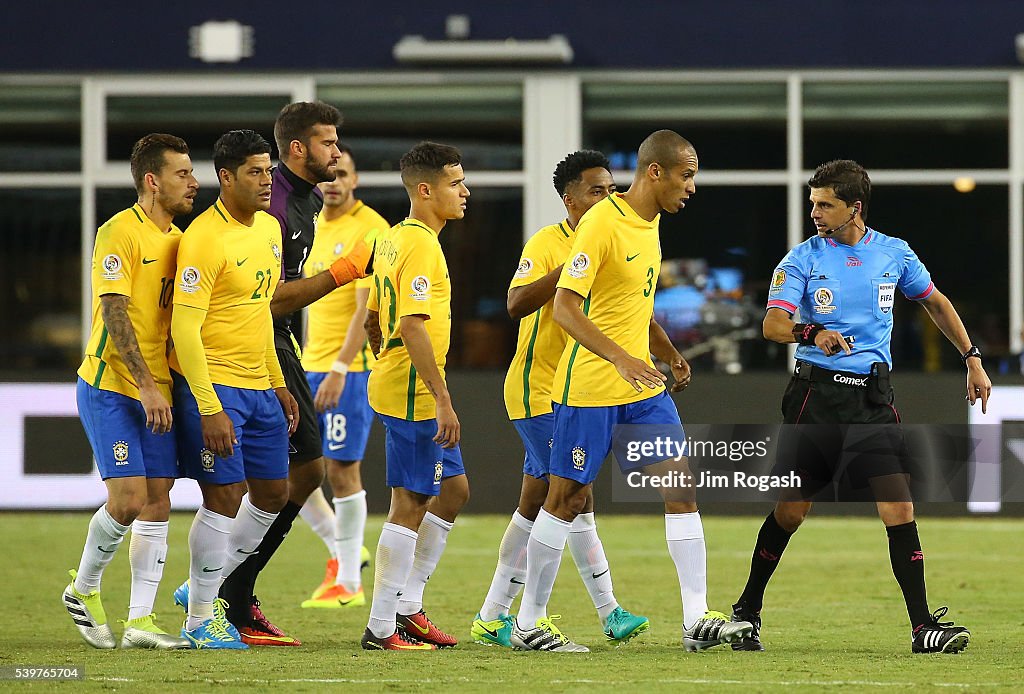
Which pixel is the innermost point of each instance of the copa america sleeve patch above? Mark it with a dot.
(189, 280)
(524, 269)
(420, 288)
(578, 267)
(112, 265)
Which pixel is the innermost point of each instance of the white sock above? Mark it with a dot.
(318, 514)
(395, 550)
(511, 565)
(349, 528)
(247, 533)
(685, 535)
(543, 556)
(207, 541)
(588, 553)
(147, 552)
(103, 539)
(433, 537)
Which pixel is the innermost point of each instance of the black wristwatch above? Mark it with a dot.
(972, 352)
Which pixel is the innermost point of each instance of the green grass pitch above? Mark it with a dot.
(834, 615)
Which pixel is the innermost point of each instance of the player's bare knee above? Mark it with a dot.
(269, 497)
(304, 478)
(344, 477)
(790, 515)
(895, 513)
(453, 497)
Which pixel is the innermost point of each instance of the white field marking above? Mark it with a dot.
(489, 680)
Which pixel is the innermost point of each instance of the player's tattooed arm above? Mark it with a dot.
(119, 326)
(373, 334)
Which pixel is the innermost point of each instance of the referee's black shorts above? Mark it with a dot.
(842, 445)
(304, 444)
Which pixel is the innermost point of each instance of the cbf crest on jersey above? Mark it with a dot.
(823, 301)
(275, 248)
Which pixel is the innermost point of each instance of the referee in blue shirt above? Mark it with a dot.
(844, 280)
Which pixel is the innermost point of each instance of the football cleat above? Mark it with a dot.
(752, 642)
(712, 629)
(544, 637)
(261, 632)
(398, 641)
(422, 629)
(337, 596)
(497, 632)
(220, 607)
(330, 575)
(214, 634)
(87, 613)
(142, 632)
(621, 626)
(939, 637)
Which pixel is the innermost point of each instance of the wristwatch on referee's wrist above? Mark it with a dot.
(972, 352)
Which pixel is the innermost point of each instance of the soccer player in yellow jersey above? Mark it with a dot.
(337, 360)
(235, 414)
(605, 378)
(409, 319)
(582, 179)
(124, 393)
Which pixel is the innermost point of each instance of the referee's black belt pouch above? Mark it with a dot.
(879, 385)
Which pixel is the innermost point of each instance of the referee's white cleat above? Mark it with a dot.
(87, 613)
(544, 637)
(712, 629)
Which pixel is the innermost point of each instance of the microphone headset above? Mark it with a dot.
(856, 209)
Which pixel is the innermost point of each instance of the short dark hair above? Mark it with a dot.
(570, 169)
(662, 147)
(345, 149)
(847, 179)
(235, 146)
(426, 162)
(148, 155)
(296, 121)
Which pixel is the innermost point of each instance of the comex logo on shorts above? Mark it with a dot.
(206, 458)
(850, 380)
(579, 458)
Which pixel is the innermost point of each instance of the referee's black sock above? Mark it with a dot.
(771, 543)
(908, 567)
(238, 588)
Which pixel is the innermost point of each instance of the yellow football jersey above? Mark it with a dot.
(614, 264)
(133, 258)
(541, 340)
(231, 271)
(328, 318)
(410, 277)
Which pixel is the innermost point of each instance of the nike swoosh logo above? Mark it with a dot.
(242, 551)
(632, 257)
(297, 234)
(160, 561)
(422, 630)
(207, 569)
(147, 261)
(106, 551)
(600, 574)
(335, 446)
(241, 262)
(512, 580)
(398, 594)
(492, 633)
